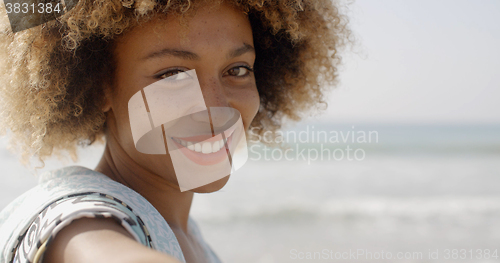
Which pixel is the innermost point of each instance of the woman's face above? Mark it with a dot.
(217, 43)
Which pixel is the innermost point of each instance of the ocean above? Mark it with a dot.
(408, 193)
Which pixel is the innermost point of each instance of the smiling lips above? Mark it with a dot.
(204, 152)
(201, 147)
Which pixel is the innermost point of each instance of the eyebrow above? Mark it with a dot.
(240, 51)
(188, 55)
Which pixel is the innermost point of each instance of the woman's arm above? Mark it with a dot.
(99, 240)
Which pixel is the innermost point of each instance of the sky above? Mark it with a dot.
(420, 62)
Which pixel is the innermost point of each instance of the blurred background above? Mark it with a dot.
(423, 81)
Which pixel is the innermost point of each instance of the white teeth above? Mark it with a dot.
(202, 147)
(215, 147)
(206, 148)
(197, 147)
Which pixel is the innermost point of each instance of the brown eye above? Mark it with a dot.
(240, 71)
(171, 73)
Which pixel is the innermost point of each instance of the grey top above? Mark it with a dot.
(29, 223)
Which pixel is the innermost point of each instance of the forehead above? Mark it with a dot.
(203, 29)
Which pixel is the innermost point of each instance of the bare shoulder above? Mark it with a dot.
(99, 240)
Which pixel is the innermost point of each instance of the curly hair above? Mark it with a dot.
(52, 76)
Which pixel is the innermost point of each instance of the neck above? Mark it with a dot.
(165, 196)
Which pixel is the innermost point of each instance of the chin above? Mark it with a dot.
(212, 187)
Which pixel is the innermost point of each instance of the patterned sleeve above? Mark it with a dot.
(60, 213)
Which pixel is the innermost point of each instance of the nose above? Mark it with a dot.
(215, 96)
(213, 92)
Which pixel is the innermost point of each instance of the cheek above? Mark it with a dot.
(121, 123)
(248, 105)
(120, 128)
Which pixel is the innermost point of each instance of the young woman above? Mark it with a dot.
(70, 81)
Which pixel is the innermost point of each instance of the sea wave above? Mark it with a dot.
(463, 209)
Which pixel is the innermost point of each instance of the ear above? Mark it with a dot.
(106, 106)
